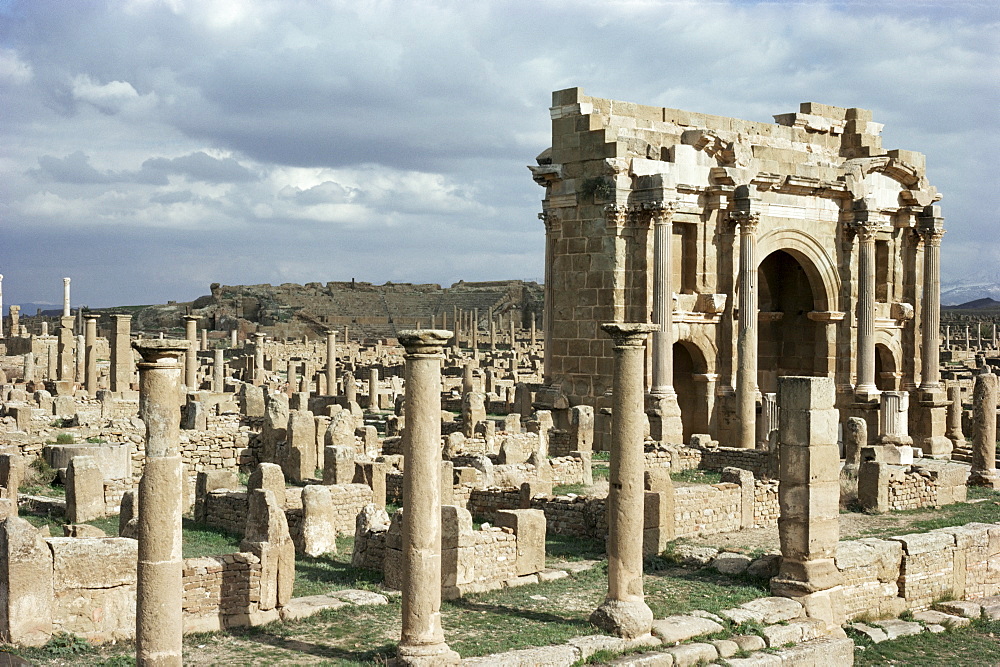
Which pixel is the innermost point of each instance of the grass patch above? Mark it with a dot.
(201, 540)
(971, 646)
(986, 510)
(696, 476)
(562, 548)
(316, 576)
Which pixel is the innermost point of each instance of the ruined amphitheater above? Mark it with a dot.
(739, 343)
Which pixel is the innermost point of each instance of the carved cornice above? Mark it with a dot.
(616, 215)
(550, 218)
(661, 212)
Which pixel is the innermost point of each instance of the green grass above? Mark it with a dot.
(696, 476)
(201, 540)
(972, 646)
(564, 489)
(316, 576)
(987, 510)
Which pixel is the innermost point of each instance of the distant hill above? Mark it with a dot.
(978, 304)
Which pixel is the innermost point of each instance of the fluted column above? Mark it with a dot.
(159, 583)
(866, 309)
(552, 230)
(746, 339)
(664, 409)
(191, 360)
(624, 612)
(90, 361)
(930, 374)
(422, 636)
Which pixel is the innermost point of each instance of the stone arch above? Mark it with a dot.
(819, 267)
(888, 355)
(692, 383)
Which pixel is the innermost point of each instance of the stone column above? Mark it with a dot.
(809, 497)
(219, 371)
(746, 341)
(984, 441)
(331, 362)
(203, 345)
(475, 333)
(191, 360)
(954, 432)
(947, 336)
(931, 413)
(66, 312)
(663, 399)
(258, 358)
(422, 637)
(66, 368)
(234, 338)
(968, 343)
(373, 388)
(493, 334)
(292, 375)
(866, 308)
(159, 585)
(90, 362)
(29, 366)
(624, 612)
(81, 360)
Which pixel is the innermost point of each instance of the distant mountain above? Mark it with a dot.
(982, 286)
(979, 304)
(31, 309)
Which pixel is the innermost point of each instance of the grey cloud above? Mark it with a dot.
(197, 166)
(74, 168)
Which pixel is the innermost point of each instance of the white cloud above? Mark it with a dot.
(367, 137)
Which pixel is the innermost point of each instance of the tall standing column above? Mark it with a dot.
(663, 397)
(191, 360)
(331, 363)
(90, 347)
(422, 637)
(121, 353)
(746, 339)
(81, 360)
(866, 308)
(66, 312)
(931, 418)
(159, 585)
(624, 612)
(66, 369)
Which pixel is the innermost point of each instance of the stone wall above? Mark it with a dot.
(885, 577)
(707, 509)
(762, 463)
(884, 487)
(221, 592)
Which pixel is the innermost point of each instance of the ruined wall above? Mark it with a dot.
(220, 591)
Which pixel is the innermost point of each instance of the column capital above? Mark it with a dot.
(551, 219)
(423, 341)
(629, 334)
(865, 230)
(66, 281)
(661, 212)
(747, 221)
(191, 318)
(616, 215)
(161, 352)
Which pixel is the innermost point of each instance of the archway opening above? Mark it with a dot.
(786, 339)
(691, 399)
(885, 369)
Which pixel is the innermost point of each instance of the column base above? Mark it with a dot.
(426, 655)
(627, 619)
(665, 422)
(988, 478)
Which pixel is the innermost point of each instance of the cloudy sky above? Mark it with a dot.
(151, 147)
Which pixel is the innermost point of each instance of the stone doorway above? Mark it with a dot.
(786, 342)
(692, 398)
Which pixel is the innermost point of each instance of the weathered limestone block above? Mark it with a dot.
(252, 400)
(340, 432)
(128, 517)
(581, 428)
(372, 474)
(11, 474)
(338, 464)
(473, 412)
(195, 416)
(208, 481)
(275, 425)
(268, 476)
(299, 462)
(873, 486)
(267, 538)
(319, 521)
(94, 586)
(25, 584)
(529, 527)
(84, 490)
